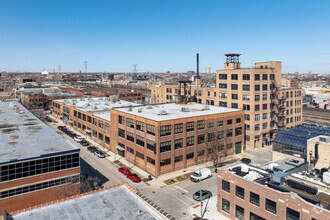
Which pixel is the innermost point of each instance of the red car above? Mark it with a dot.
(134, 177)
(124, 170)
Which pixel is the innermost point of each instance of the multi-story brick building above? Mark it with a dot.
(128, 96)
(158, 138)
(36, 164)
(248, 192)
(258, 91)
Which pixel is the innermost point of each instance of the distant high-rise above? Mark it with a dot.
(208, 70)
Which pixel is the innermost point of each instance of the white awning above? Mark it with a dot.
(120, 148)
(87, 130)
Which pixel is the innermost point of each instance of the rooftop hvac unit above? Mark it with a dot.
(324, 139)
(205, 107)
(277, 177)
(244, 168)
(140, 110)
(185, 109)
(130, 109)
(162, 112)
(149, 107)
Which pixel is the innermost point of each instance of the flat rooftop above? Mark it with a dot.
(263, 177)
(114, 203)
(24, 136)
(174, 111)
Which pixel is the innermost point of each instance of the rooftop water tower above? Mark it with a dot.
(232, 61)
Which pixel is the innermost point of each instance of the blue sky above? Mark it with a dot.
(162, 35)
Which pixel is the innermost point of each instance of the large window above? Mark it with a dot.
(246, 76)
(225, 205)
(95, 121)
(255, 217)
(151, 146)
(240, 192)
(140, 155)
(107, 127)
(257, 77)
(121, 120)
(238, 131)
(140, 126)
(121, 133)
(254, 199)
(229, 133)
(190, 141)
(246, 97)
(264, 77)
(89, 119)
(165, 130)
(234, 76)
(178, 128)
(190, 155)
(239, 214)
(150, 160)
(200, 153)
(130, 122)
(36, 167)
(271, 206)
(222, 95)
(165, 146)
(140, 140)
(200, 139)
(234, 86)
(256, 87)
(225, 186)
(101, 124)
(223, 76)
(246, 87)
(165, 162)
(178, 143)
(39, 186)
(200, 125)
(130, 136)
(151, 129)
(222, 85)
(178, 158)
(292, 214)
(210, 137)
(190, 126)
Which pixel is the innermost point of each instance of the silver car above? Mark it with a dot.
(99, 154)
(205, 195)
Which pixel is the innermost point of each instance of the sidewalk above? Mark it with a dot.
(155, 182)
(211, 212)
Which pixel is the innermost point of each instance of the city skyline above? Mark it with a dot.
(162, 36)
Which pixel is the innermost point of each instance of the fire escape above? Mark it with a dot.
(277, 108)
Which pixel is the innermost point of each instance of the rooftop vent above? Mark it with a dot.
(129, 109)
(140, 110)
(185, 109)
(162, 112)
(205, 107)
(149, 107)
(325, 139)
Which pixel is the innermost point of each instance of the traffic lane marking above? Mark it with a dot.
(181, 189)
(178, 182)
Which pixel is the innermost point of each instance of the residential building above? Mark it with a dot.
(258, 91)
(248, 192)
(37, 165)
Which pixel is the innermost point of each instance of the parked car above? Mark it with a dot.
(246, 160)
(84, 143)
(205, 195)
(78, 139)
(48, 119)
(124, 170)
(91, 149)
(201, 174)
(99, 154)
(61, 128)
(134, 177)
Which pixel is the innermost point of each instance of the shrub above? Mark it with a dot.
(145, 179)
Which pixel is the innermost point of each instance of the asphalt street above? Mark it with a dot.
(174, 199)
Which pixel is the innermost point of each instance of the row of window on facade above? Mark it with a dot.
(96, 122)
(178, 128)
(98, 135)
(179, 158)
(247, 87)
(247, 77)
(270, 205)
(178, 143)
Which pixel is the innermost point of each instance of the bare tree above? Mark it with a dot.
(216, 147)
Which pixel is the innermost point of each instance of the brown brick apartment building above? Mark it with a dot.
(158, 138)
(258, 91)
(248, 193)
(36, 165)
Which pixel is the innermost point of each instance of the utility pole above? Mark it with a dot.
(200, 191)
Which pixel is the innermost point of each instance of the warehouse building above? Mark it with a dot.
(36, 164)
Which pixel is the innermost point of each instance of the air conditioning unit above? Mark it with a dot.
(185, 109)
(162, 112)
(149, 107)
(205, 107)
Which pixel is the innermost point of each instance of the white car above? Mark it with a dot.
(99, 154)
(201, 174)
(78, 139)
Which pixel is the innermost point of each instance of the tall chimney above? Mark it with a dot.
(197, 58)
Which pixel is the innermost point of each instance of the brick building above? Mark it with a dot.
(158, 138)
(258, 91)
(248, 192)
(36, 165)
